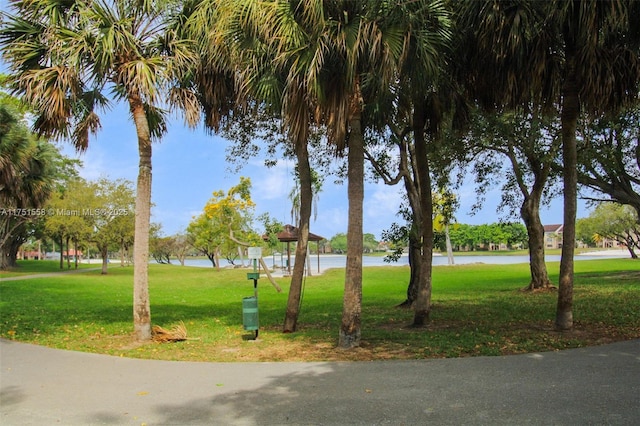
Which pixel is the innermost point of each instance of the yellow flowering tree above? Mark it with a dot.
(235, 209)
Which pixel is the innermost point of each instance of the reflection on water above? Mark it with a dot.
(339, 261)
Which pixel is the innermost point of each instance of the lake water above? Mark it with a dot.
(339, 261)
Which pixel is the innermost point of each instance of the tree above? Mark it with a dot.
(579, 55)
(609, 158)
(114, 217)
(369, 243)
(27, 177)
(247, 54)
(181, 247)
(445, 203)
(614, 221)
(160, 247)
(423, 95)
(206, 235)
(517, 234)
(411, 235)
(64, 55)
(69, 217)
(233, 212)
(531, 143)
(310, 185)
(339, 243)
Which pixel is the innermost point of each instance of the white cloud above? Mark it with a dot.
(382, 202)
(271, 183)
(330, 221)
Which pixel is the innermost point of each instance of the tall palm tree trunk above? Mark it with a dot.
(352, 301)
(422, 305)
(569, 119)
(141, 305)
(306, 197)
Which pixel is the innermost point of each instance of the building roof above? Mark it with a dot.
(553, 228)
(291, 233)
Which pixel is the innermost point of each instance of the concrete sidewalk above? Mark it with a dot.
(598, 385)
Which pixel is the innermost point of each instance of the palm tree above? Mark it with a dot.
(238, 52)
(27, 173)
(348, 55)
(580, 55)
(65, 55)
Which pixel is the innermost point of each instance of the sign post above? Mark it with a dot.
(250, 304)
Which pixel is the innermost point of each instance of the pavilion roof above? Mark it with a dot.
(291, 233)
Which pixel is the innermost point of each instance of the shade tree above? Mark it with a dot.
(114, 219)
(613, 221)
(233, 210)
(609, 157)
(530, 142)
(69, 216)
(206, 235)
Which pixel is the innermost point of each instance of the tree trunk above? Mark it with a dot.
(104, 254)
(306, 199)
(530, 213)
(352, 301)
(61, 251)
(422, 305)
(14, 246)
(569, 120)
(75, 257)
(241, 256)
(4, 252)
(122, 253)
(4, 259)
(414, 268)
(412, 187)
(141, 305)
(450, 259)
(68, 252)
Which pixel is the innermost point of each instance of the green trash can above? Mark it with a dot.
(250, 313)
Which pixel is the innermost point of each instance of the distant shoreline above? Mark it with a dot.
(612, 252)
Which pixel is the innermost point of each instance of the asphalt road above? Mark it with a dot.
(589, 386)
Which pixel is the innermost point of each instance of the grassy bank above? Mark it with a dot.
(477, 310)
(42, 267)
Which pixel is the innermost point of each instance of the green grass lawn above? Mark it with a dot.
(43, 267)
(477, 310)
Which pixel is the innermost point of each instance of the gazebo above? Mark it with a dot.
(290, 233)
